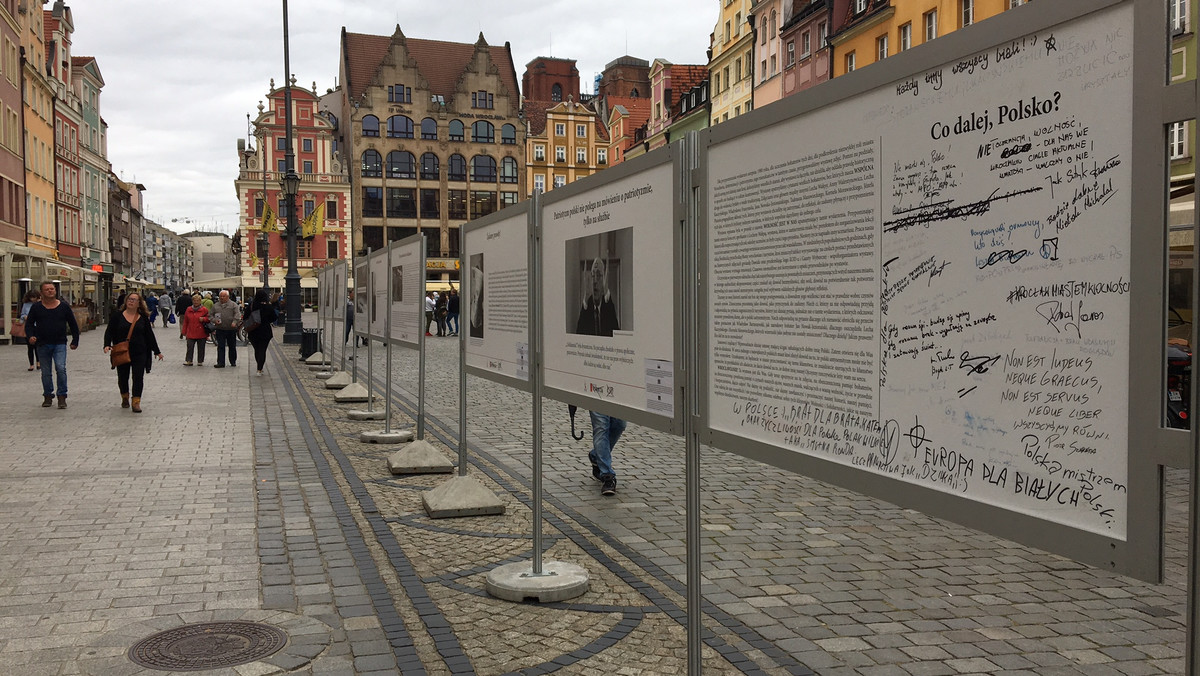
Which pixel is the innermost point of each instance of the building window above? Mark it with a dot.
(560, 181)
(306, 144)
(539, 183)
(728, 31)
(508, 170)
(930, 25)
(822, 34)
(850, 62)
(429, 129)
(483, 132)
(483, 202)
(881, 47)
(483, 169)
(372, 164)
(331, 210)
(258, 207)
(581, 131)
(737, 67)
(457, 130)
(508, 135)
(507, 199)
(309, 207)
(860, 6)
(905, 36)
(372, 201)
(370, 125)
(481, 99)
(725, 71)
(560, 153)
(1178, 10)
(331, 249)
(601, 155)
(399, 94)
(458, 168)
(774, 23)
(762, 29)
(763, 71)
(791, 53)
(581, 155)
(1015, 3)
(304, 248)
(456, 204)
(431, 202)
(560, 129)
(716, 82)
(556, 92)
(401, 164)
(281, 143)
(1177, 140)
(308, 166)
(539, 153)
(429, 167)
(402, 203)
(968, 12)
(805, 45)
(774, 65)
(400, 126)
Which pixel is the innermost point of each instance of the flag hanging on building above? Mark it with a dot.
(314, 223)
(269, 222)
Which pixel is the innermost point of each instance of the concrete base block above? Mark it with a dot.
(316, 368)
(351, 394)
(419, 457)
(559, 581)
(323, 375)
(461, 496)
(377, 414)
(338, 380)
(316, 358)
(382, 437)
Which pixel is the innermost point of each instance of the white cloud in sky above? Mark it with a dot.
(180, 77)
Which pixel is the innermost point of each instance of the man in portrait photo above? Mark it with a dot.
(598, 316)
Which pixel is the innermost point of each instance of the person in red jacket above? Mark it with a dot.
(194, 319)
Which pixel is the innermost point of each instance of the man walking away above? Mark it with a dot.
(598, 317)
(453, 308)
(46, 328)
(182, 303)
(228, 317)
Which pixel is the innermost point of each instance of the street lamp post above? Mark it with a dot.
(293, 327)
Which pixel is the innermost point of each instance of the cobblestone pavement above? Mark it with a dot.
(235, 497)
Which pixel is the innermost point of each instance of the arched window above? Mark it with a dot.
(372, 164)
(429, 129)
(633, 93)
(508, 170)
(370, 125)
(429, 167)
(508, 135)
(774, 23)
(457, 130)
(483, 132)
(332, 118)
(400, 164)
(400, 126)
(458, 168)
(483, 169)
(556, 92)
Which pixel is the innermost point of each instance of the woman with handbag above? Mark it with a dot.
(30, 298)
(258, 326)
(130, 342)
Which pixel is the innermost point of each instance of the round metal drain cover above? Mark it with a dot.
(209, 645)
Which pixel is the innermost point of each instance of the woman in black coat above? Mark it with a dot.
(260, 336)
(142, 344)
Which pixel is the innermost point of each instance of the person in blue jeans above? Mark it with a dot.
(46, 327)
(598, 317)
(606, 430)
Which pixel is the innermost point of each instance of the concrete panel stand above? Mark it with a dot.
(339, 380)
(366, 415)
(461, 496)
(419, 457)
(558, 581)
(386, 436)
(353, 393)
(324, 375)
(316, 359)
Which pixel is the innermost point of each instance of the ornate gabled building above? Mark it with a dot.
(669, 84)
(324, 187)
(626, 126)
(433, 134)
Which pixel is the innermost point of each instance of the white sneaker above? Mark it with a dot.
(260, 373)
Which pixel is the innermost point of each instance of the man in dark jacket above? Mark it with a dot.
(181, 305)
(46, 328)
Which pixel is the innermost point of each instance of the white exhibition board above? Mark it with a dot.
(932, 278)
(406, 277)
(362, 295)
(495, 297)
(608, 280)
(377, 274)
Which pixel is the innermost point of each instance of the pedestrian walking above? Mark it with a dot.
(439, 312)
(194, 319)
(48, 323)
(598, 317)
(258, 328)
(452, 310)
(430, 306)
(227, 317)
(27, 303)
(165, 308)
(152, 305)
(182, 303)
(132, 323)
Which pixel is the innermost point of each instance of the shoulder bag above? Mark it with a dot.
(120, 352)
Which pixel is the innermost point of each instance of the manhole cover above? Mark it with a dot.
(209, 645)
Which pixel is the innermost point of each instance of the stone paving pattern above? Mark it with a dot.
(234, 496)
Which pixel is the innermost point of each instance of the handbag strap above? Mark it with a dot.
(135, 321)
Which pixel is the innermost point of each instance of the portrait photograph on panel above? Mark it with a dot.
(398, 284)
(476, 295)
(599, 283)
(360, 294)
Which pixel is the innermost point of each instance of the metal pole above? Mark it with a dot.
(293, 326)
(535, 360)
(690, 402)
(420, 347)
(370, 349)
(462, 365)
(341, 294)
(387, 346)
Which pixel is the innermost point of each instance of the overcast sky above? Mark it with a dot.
(180, 77)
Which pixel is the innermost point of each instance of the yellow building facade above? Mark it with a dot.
(565, 145)
(731, 66)
(871, 31)
(38, 113)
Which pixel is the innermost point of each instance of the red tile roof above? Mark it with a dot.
(441, 63)
(683, 78)
(535, 114)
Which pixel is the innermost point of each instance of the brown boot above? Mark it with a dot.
(137, 404)
(46, 401)
(125, 400)
(62, 402)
